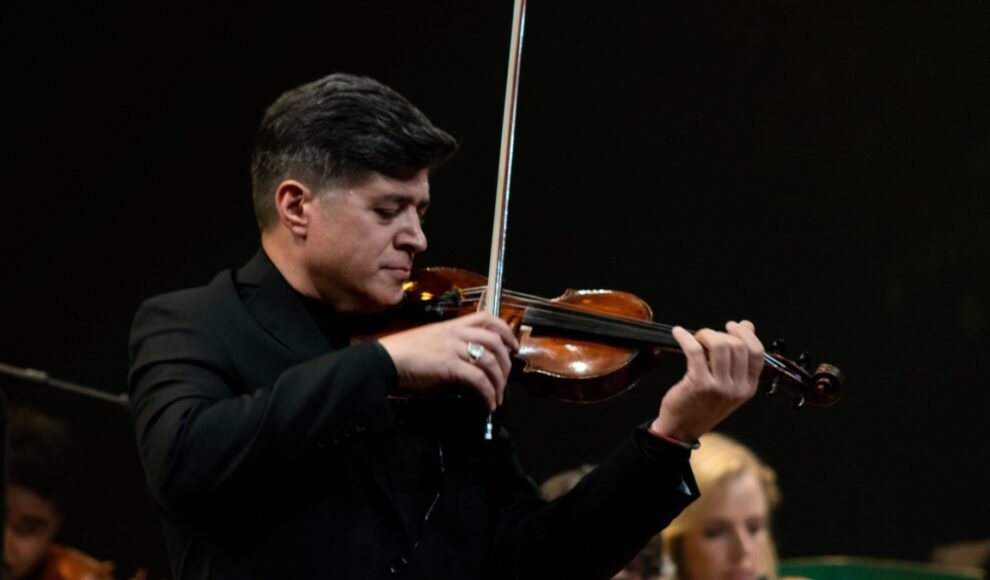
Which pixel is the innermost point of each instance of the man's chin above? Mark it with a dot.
(380, 302)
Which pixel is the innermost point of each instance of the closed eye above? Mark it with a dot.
(387, 214)
(391, 206)
(755, 527)
(714, 531)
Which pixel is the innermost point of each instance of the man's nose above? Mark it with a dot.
(412, 236)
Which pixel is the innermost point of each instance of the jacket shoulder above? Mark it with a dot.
(217, 294)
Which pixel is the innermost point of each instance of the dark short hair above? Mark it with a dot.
(339, 130)
(43, 455)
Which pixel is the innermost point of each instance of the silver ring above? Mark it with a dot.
(475, 351)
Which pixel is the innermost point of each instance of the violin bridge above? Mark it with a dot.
(450, 299)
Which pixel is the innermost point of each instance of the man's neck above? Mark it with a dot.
(283, 256)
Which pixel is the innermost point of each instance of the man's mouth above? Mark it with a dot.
(403, 271)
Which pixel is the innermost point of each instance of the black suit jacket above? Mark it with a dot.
(273, 452)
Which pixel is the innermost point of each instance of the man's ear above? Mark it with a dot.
(292, 202)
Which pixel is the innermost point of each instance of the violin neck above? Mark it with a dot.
(599, 326)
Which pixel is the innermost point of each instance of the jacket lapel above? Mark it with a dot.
(280, 311)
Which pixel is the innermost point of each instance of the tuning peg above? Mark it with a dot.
(798, 402)
(772, 388)
(805, 361)
(778, 346)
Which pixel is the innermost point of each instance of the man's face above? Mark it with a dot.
(361, 241)
(31, 525)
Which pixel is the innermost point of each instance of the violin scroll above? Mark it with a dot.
(822, 388)
(829, 382)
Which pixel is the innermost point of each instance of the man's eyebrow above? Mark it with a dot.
(402, 199)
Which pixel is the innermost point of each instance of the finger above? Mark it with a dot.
(492, 343)
(747, 333)
(475, 377)
(496, 325)
(489, 364)
(504, 332)
(719, 353)
(504, 365)
(500, 391)
(697, 363)
(740, 358)
(494, 361)
(503, 357)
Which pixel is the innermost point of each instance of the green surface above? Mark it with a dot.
(842, 568)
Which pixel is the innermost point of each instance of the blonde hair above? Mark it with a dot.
(564, 482)
(719, 460)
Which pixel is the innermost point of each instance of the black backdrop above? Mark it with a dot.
(822, 170)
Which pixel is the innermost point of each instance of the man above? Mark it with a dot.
(268, 435)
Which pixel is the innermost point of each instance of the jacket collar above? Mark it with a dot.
(280, 310)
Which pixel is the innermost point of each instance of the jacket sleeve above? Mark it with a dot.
(204, 438)
(600, 525)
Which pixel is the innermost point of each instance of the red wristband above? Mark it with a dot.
(690, 446)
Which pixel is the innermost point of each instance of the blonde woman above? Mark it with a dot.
(725, 534)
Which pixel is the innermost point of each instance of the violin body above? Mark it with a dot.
(568, 366)
(63, 563)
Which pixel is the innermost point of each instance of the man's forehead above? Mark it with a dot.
(24, 504)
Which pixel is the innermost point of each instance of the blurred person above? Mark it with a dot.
(971, 553)
(725, 535)
(43, 467)
(646, 564)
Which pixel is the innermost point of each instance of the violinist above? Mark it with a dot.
(277, 445)
(43, 463)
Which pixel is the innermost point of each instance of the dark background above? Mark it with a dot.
(820, 169)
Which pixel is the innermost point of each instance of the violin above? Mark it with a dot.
(64, 563)
(586, 346)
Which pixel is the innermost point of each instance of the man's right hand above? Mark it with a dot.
(438, 354)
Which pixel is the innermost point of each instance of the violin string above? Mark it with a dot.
(473, 294)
